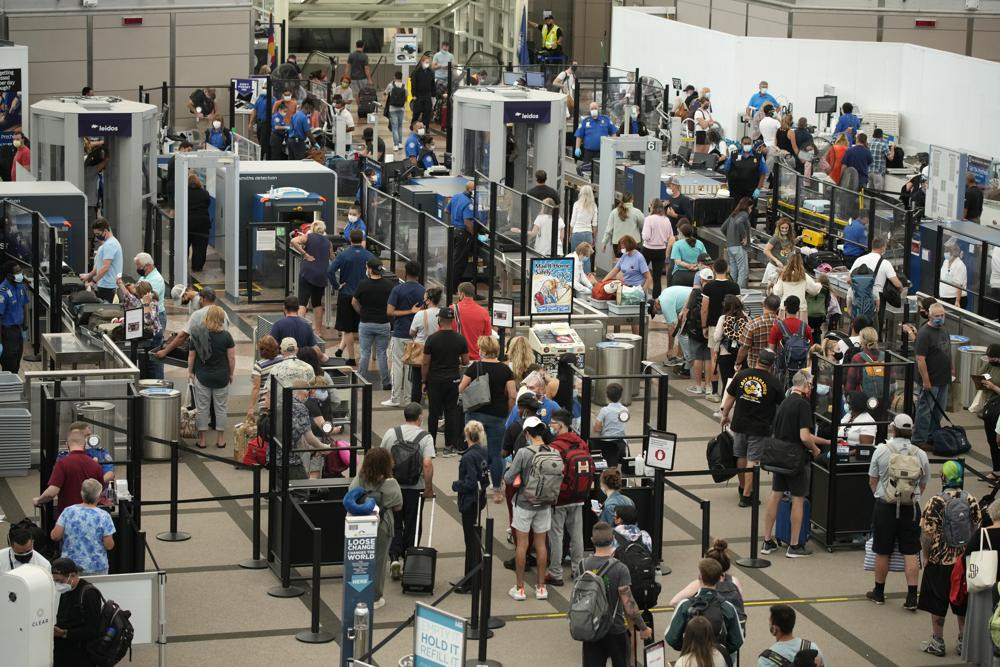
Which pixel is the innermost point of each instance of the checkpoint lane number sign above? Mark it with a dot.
(650, 145)
(438, 638)
(661, 449)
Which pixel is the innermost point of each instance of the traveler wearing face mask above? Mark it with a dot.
(933, 350)
(395, 105)
(107, 262)
(298, 132)
(589, 133)
(758, 99)
(219, 136)
(22, 154)
(703, 120)
(991, 403)
(422, 89)
(440, 62)
(78, 617)
(345, 91)
(746, 171)
(417, 132)
(954, 275)
(354, 221)
(13, 317)
(341, 111)
(21, 551)
(291, 104)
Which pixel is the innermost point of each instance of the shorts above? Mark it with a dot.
(699, 350)
(796, 485)
(889, 531)
(750, 447)
(313, 462)
(310, 295)
(935, 591)
(700, 137)
(347, 318)
(525, 521)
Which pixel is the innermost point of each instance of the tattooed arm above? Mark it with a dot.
(632, 611)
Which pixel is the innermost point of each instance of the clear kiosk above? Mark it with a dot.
(496, 127)
(129, 131)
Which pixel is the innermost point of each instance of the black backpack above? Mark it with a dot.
(407, 462)
(710, 608)
(115, 632)
(639, 561)
(780, 660)
(720, 456)
(397, 96)
(692, 321)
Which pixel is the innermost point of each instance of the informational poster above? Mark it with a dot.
(946, 183)
(11, 104)
(404, 49)
(656, 655)
(438, 638)
(503, 313)
(133, 324)
(266, 240)
(660, 450)
(552, 286)
(360, 533)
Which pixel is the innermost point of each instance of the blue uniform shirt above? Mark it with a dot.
(300, 126)
(592, 129)
(349, 268)
(351, 226)
(13, 299)
(412, 145)
(260, 107)
(728, 164)
(855, 240)
(429, 160)
(460, 209)
(217, 138)
(757, 100)
(845, 121)
(277, 121)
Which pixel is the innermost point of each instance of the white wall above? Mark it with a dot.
(875, 76)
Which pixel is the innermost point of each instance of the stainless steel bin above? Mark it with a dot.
(635, 363)
(969, 361)
(613, 358)
(162, 420)
(957, 342)
(101, 412)
(149, 383)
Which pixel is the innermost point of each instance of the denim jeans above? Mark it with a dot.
(739, 266)
(565, 519)
(377, 335)
(928, 417)
(400, 372)
(494, 427)
(576, 239)
(396, 124)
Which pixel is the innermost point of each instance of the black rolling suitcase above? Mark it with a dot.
(366, 101)
(420, 565)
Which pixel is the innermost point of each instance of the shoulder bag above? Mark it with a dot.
(981, 566)
(477, 394)
(413, 352)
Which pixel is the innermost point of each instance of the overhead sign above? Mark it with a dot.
(104, 125)
(552, 286)
(438, 638)
(660, 450)
(527, 112)
(404, 49)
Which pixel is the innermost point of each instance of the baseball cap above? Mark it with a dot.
(446, 314)
(766, 356)
(527, 401)
(288, 344)
(706, 274)
(902, 420)
(705, 258)
(532, 422)
(993, 350)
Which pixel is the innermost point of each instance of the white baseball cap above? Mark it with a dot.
(902, 420)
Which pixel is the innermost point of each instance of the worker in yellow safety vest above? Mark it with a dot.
(551, 35)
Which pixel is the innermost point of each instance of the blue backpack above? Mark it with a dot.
(863, 290)
(794, 354)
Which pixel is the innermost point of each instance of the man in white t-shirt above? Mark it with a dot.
(954, 275)
(21, 551)
(885, 270)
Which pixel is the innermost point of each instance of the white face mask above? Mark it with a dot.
(17, 143)
(420, 132)
(593, 113)
(352, 218)
(217, 124)
(62, 588)
(425, 65)
(286, 96)
(763, 91)
(708, 96)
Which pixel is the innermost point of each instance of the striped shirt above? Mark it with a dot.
(262, 368)
(755, 337)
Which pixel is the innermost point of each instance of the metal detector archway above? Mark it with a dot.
(650, 148)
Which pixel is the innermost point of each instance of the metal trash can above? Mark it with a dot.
(162, 420)
(613, 358)
(957, 342)
(636, 362)
(149, 383)
(101, 412)
(969, 359)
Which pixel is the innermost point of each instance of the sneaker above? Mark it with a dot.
(911, 602)
(541, 593)
(958, 647)
(448, 452)
(518, 594)
(396, 570)
(695, 389)
(798, 551)
(747, 501)
(552, 581)
(717, 414)
(389, 403)
(379, 603)
(713, 398)
(934, 646)
(768, 547)
(674, 361)
(877, 598)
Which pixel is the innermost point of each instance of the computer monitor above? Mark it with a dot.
(826, 104)
(536, 80)
(511, 78)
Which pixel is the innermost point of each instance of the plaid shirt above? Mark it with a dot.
(880, 151)
(755, 336)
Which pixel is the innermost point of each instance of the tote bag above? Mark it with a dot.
(981, 566)
(896, 563)
(413, 352)
(477, 394)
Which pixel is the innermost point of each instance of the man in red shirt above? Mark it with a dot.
(69, 474)
(473, 320)
(777, 339)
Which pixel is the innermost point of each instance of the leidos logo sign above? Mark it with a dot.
(526, 115)
(105, 125)
(527, 112)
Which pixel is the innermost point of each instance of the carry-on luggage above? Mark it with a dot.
(783, 522)
(366, 101)
(420, 564)
(948, 440)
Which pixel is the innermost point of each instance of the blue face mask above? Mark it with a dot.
(747, 148)
(937, 322)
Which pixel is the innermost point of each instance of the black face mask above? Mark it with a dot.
(24, 558)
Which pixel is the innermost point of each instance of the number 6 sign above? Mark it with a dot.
(660, 450)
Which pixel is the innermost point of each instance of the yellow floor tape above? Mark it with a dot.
(748, 603)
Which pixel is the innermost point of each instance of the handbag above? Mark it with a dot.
(896, 563)
(981, 566)
(477, 394)
(783, 457)
(188, 429)
(243, 433)
(413, 352)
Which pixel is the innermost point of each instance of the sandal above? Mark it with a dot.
(220, 445)
(202, 446)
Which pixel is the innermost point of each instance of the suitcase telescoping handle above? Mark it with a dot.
(420, 516)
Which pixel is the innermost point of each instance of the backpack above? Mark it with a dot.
(956, 527)
(545, 476)
(873, 376)
(407, 463)
(995, 626)
(863, 291)
(794, 348)
(397, 96)
(578, 475)
(590, 615)
(639, 561)
(692, 321)
(732, 333)
(727, 590)
(905, 472)
(710, 608)
(720, 456)
(115, 632)
(781, 660)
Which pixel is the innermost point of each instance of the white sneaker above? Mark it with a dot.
(517, 593)
(541, 593)
(695, 389)
(389, 403)
(396, 570)
(379, 603)
(717, 414)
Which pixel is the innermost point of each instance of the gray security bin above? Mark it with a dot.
(613, 358)
(635, 363)
(969, 357)
(101, 412)
(162, 420)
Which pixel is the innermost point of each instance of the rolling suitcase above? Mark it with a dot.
(366, 100)
(420, 564)
(783, 522)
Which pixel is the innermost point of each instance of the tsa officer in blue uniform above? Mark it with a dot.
(279, 131)
(413, 144)
(13, 316)
(219, 136)
(589, 133)
(463, 220)
(427, 158)
(298, 131)
(259, 117)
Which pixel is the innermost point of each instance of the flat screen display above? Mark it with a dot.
(536, 79)
(826, 104)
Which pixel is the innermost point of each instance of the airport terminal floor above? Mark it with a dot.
(220, 614)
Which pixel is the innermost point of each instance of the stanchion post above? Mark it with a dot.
(485, 602)
(256, 562)
(314, 635)
(173, 535)
(753, 561)
(706, 519)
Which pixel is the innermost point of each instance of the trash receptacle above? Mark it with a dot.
(100, 412)
(149, 383)
(162, 420)
(957, 342)
(613, 358)
(635, 363)
(969, 357)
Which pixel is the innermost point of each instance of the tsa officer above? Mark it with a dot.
(427, 158)
(279, 130)
(589, 133)
(298, 131)
(413, 142)
(463, 220)
(13, 316)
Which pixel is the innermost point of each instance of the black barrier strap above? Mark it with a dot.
(116, 429)
(240, 496)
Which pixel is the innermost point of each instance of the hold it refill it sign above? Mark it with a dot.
(104, 125)
(438, 638)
